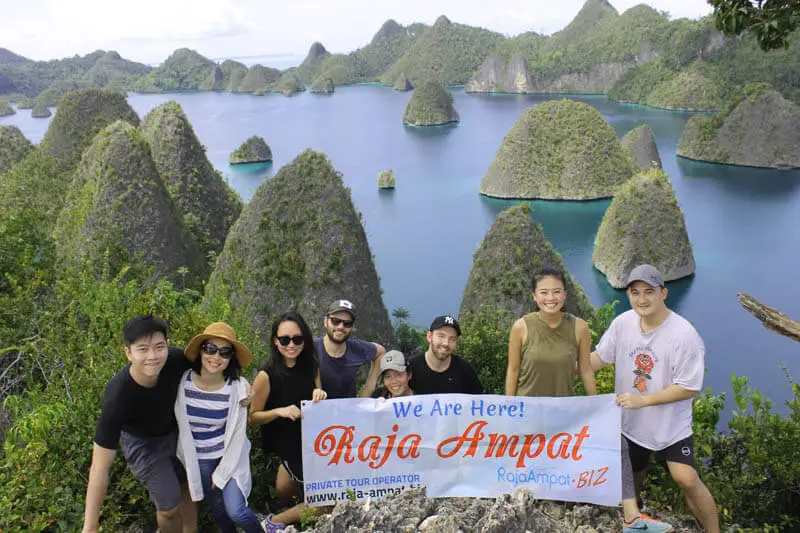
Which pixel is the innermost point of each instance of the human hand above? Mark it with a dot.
(292, 412)
(631, 401)
(318, 395)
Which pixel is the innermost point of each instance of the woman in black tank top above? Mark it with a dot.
(290, 376)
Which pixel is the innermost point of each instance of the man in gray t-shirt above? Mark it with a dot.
(340, 356)
(659, 360)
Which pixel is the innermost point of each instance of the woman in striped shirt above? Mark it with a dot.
(212, 423)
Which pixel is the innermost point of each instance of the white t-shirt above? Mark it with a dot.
(671, 354)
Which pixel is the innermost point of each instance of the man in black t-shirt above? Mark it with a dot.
(138, 414)
(439, 370)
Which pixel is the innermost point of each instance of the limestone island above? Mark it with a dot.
(509, 255)
(253, 150)
(641, 143)
(757, 129)
(323, 85)
(403, 84)
(559, 150)
(41, 111)
(6, 109)
(26, 103)
(14, 146)
(430, 105)
(643, 224)
(386, 179)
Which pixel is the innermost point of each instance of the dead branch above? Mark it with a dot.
(771, 318)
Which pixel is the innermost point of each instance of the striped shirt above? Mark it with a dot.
(207, 413)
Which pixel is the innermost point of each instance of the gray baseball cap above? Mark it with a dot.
(393, 360)
(648, 274)
(342, 305)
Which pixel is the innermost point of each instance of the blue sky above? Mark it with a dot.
(148, 30)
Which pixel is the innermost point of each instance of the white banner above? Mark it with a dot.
(463, 445)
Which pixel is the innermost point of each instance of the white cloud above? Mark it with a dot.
(148, 30)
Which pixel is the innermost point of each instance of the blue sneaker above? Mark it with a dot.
(272, 527)
(646, 523)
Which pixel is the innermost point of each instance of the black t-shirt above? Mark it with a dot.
(282, 436)
(141, 411)
(459, 377)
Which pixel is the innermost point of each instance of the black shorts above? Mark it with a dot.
(294, 466)
(153, 462)
(680, 452)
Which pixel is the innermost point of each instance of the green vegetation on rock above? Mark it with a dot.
(118, 210)
(26, 103)
(369, 62)
(253, 150)
(643, 224)
(403, 84)
(758, 128)
(697, 88)
(278, 257)
(323, 86)
(641, 143)
(225, 77)
(636, 84)
(386, 179)
(559, 150)
(288, 85)
(190, 177)
(6, 110)
(430, 105)
(41, 111)
(80, 115)
(503, 267)
(447, 52)
(13, 147)
(183, 70)
(309, 69)
(258, 78)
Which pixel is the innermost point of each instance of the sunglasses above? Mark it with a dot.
(286, 339)
(338, 321)
(210, 349)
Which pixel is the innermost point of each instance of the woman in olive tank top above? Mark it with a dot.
(547, 348)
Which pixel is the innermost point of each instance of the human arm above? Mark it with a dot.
(584, 358)
(515, 341)
(96, 489)
(673, 393)
(318, 393)
(258, 416)
(374, 371)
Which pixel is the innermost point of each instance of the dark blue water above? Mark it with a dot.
(742, 222)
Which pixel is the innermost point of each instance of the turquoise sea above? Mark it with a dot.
(742, 222)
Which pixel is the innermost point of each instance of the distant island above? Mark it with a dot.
(430, 105)
(638, 56)
(253, 150)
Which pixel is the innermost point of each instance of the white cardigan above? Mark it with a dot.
(235, 462)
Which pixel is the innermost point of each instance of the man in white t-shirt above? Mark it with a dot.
(659, 359)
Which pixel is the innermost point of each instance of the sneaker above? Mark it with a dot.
(645, 523)
(272, 527)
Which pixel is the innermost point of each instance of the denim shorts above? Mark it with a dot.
(153, 462)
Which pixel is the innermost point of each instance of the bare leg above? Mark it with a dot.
(697, 495)
(169, 521)
(188, 512)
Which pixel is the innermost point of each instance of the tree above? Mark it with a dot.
(771, 21)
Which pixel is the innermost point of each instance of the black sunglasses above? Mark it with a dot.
(286, 339)
(336, 321)
(226, 353)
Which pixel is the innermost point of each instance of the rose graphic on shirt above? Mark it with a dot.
(644, 365)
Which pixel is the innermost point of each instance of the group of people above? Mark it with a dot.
(180, 416)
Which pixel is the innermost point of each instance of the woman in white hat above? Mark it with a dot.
(212, 424)
(395, 376)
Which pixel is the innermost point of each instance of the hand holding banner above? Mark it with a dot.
(463, 445)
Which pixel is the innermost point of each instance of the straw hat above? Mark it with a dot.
(219, 330)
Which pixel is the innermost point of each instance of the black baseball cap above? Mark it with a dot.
(342, 305)
(446, 321)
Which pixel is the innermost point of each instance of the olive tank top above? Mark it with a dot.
(549, 357)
